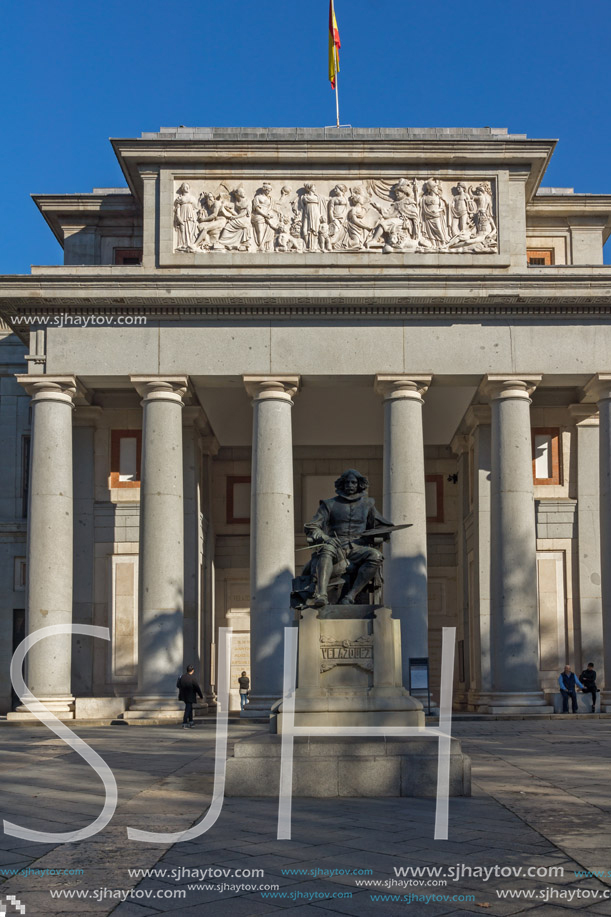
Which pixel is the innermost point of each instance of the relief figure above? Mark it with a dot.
(434, 213)
(237, 232)
(185, 223)
(311, 207)
(209, 221)
(359, 226)
(400, 223)
(337, 212)
(263, 219)
(285, 242)
(461, 208)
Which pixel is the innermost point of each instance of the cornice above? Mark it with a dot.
(533, 155)
(546, 293)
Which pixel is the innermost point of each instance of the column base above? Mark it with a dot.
(62, 706)
(510, 703)
(155, 708)
(605, 701)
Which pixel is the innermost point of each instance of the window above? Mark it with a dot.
(125, 457)
(238, 499)
(546, 455)
(540, 256)
(19, 574)
(433, 484)
(128, 256)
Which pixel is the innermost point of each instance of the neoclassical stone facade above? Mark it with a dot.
(258, 310)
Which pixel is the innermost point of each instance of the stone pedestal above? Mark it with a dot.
(349, 670)
(349, 679)
(350, 767)
(50, 542)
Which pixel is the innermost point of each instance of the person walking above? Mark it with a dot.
(588, 677)
(568, 682)
(244, 683)
(188, 691)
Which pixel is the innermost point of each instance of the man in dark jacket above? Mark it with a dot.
(588, 678)
(188, 690)
(568, 682)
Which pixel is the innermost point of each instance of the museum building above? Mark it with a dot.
(257, 311)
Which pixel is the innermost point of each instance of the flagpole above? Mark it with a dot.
(336, 101)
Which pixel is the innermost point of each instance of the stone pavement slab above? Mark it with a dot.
(540, 800)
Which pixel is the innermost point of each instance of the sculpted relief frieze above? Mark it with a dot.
(377, 215)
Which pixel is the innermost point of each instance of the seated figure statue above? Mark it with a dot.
(340, 550)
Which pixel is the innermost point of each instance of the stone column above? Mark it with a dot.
(84, 649)
(477, 422)
(599, 389)
(585, 418)
(272, 535)
(161, 589)
(513, 567)
(460, 447)
(405, 570)
(50, 541)
(209, 447)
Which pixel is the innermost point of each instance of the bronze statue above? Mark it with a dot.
(346, 550)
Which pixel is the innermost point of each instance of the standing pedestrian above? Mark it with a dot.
(588, 677)
(244, 683)
(568, 682)
(188, 690)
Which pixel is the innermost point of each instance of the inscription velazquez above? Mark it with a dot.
(346, 652)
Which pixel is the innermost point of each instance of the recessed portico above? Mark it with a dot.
(219, 392)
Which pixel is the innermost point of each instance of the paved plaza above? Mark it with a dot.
(540, 800)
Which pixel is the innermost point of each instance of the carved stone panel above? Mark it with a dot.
(346, 652)
(404, 214)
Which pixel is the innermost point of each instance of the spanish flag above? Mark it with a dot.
(334, 45)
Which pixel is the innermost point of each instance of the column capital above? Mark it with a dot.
(87, 415)
(477, 415)
(274, 388)
(393, 387)
(510, 385)
(62, 389)
(584, 415)
(194, 415)
(209, 444)
(598, 388)
(161, 388)
(460, 444)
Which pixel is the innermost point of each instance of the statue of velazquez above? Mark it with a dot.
(344, 558)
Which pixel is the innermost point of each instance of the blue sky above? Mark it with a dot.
(76, 73)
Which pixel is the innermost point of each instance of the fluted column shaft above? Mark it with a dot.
(272, 535)
(405, 569)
